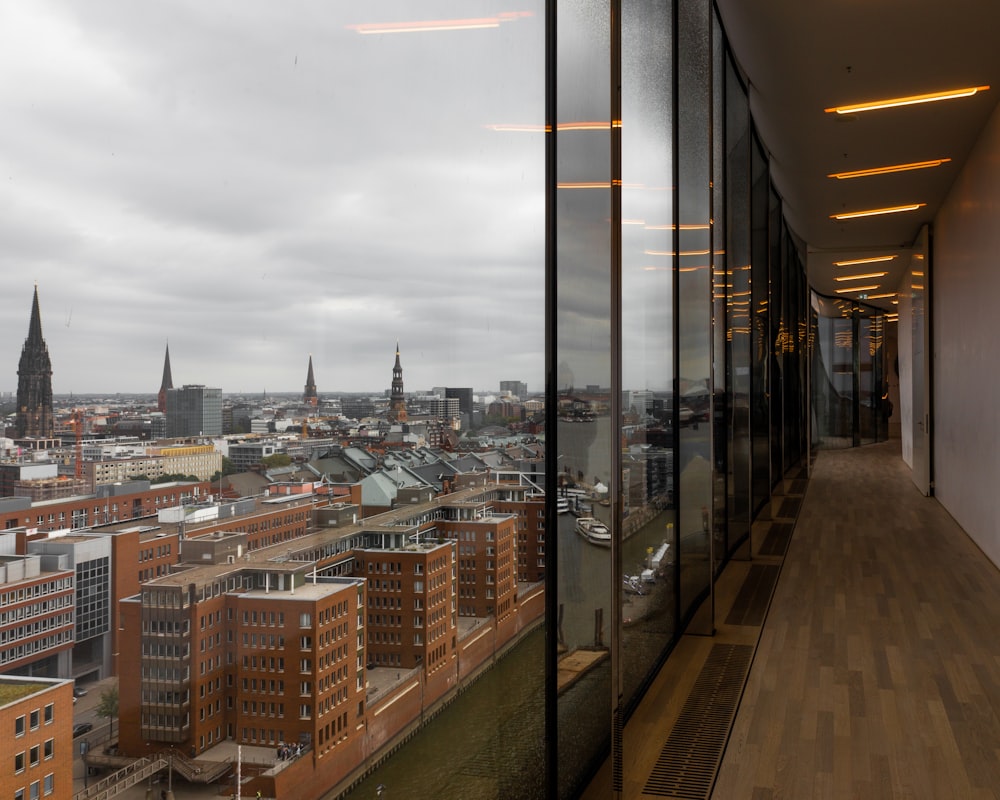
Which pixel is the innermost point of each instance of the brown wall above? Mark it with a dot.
(60, 730)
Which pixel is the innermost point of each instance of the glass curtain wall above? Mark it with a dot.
(720, 294)
(693, 309)
(776, 318)
(849, 392)
(648, 526)
(737, 318)
(760, 440)
(585, 445)
(670, 254)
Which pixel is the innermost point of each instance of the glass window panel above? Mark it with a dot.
(648, 434)
(759, 350)
(738, 306)
(586, 430)
(693, 246)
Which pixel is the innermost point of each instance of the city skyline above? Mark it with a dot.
(259, 196)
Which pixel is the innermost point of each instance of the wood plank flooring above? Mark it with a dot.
(877, 674)
(877, 668)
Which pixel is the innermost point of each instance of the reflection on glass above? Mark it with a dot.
(849, 389)
(738, 306)
(694, 310)
(586, 432)
(760, 351)
(647, 434)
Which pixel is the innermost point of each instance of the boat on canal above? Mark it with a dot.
(594, 531)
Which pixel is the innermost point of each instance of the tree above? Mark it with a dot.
(108, 707)
(277, 460)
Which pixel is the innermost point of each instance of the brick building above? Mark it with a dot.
(36, 721)
(36, 615)
(268, 637)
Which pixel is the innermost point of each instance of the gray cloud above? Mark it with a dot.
(255, 182)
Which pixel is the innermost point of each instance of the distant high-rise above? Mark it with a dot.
(165, 384)
(194, 410)
(516, 388)
(397, 400)
(34, 382)
(464, 397)
(309, 396)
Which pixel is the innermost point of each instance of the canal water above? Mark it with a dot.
(487, 744)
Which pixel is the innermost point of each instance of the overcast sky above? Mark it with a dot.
(254, 181)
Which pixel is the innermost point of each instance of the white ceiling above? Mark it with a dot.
(802, 56)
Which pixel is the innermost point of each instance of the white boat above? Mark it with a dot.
(594, 531)
(562, 505)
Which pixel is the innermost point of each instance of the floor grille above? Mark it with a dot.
(777, 539)
(751, 603)
(796, 486)
(789, 508)
(690, 758)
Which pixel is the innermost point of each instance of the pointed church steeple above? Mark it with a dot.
(34, 382)
(397, 399)
(309, 396)
(166, 383)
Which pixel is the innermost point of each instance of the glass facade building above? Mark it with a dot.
(672, 277)
(601, 156)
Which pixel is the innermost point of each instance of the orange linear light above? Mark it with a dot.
(864, 277)
(885, 296)
(856, 289)
(876, 211)
(677, 227)
(913, 99)
(855, 261)
(671, 252)
(864, 173)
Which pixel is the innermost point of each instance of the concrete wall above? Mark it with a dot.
(966, 382)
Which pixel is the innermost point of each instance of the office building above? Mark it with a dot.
(36, 613)
(270, 645)
(518, 389)
(194, 410)
(465, 399)
(36, 717)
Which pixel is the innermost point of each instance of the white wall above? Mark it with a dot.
(966, 345)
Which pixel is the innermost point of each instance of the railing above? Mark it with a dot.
(122, 780)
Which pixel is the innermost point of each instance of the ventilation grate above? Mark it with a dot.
(789, 508)
(750, 604)
(796, 486)
(690, 758)
(777, 539)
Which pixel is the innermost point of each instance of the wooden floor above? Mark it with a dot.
(877, 667)
(877, 674)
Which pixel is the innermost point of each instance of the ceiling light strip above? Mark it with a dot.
(855, 261)
(864, 173)
(893, 102)
(856, 289)
(876, 211)
(866, 276)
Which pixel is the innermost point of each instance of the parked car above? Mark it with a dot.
(81, 728)
(79, 691)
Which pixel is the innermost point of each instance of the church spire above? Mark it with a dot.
(309, 396)
(166, 383)
(34, 382)
(397, 399)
